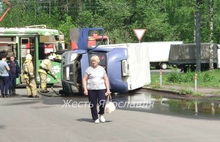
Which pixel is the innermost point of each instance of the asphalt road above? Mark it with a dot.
(50, 119)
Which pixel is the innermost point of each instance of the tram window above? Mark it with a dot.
(41, 51)
(8, 46)
(24, 41)
(9, 49)
(56, 38)
(32, 45)
(60, 46)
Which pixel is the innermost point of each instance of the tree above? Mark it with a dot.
(65, 27)
(211, 67)
(163, 19)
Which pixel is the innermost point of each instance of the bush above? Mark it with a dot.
(204, 79)
(176, 77)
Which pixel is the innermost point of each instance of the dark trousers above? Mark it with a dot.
(12, 79)
(4, 85)
(97, 97)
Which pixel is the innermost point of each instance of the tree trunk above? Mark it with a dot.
(211, 67)
(198, 35)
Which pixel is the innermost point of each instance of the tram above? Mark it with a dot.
(36, 40)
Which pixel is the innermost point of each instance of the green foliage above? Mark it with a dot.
(209, 78)
(176, 77)
(65, 26)
(185, 91)
(155, 79)
(177, 105)
(163, 20)
(85, 19)
(204, 79)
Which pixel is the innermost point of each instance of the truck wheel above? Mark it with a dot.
(163, 66)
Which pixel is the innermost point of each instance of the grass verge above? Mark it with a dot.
(208, 79)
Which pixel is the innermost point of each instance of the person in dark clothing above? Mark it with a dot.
(14, 73)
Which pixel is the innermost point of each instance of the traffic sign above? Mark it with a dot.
(139, 33)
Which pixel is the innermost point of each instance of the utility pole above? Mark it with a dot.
(198, 35)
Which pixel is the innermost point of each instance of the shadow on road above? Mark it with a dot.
(89, 120)
(2, 126)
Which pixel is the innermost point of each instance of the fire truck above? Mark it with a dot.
(127, 65)
(95, 39)
(89, 37)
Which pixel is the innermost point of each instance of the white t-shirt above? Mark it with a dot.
(96, 78)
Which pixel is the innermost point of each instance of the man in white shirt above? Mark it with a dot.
(4, 76)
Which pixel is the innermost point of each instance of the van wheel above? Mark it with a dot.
(163, 66)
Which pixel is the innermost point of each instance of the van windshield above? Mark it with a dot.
(102, 57)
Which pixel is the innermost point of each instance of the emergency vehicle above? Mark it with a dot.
(89, 37)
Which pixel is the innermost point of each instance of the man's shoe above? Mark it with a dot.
(36, 96)
(97, 121)
(102, 118)
(30, 96)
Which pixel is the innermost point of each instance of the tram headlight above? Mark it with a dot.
(73, 57)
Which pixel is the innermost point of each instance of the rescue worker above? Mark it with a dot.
(28, 74)
(45, 68)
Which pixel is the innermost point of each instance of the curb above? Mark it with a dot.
(162, 90)
(203, 95)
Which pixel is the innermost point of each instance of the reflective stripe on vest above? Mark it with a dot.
(42, 71)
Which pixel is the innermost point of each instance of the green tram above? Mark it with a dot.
(40, 42)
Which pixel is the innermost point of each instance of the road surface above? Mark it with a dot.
(68, 119)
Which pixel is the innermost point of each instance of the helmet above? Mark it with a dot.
(50, 57)
(28, 57)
